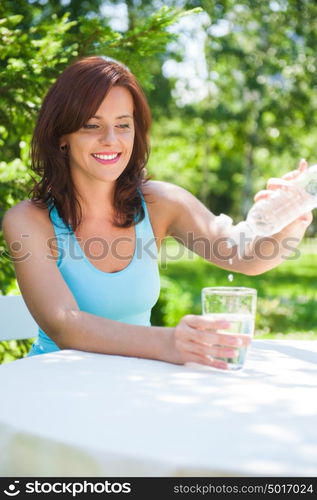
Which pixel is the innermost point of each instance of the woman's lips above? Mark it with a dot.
(107, 161)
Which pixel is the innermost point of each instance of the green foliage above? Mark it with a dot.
(259, 114)
(286, 315)
(135, 47)
(14, 349)
(174, 303)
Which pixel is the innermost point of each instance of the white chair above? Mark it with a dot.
(16, 321)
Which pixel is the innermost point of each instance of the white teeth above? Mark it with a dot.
(106, 157)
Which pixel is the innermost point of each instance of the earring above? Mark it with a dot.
(63, 148)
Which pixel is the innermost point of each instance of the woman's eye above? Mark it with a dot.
(90, 125)
(124, 125)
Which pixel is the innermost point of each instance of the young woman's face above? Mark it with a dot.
(101, 149)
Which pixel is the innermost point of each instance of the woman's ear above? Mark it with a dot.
(63, 144)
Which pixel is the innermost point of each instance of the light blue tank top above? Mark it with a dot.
(127, 295)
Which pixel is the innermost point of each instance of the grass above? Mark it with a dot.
(287, 296)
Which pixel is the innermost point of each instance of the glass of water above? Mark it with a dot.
(237, 306)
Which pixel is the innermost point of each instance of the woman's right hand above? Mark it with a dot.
(200, 339)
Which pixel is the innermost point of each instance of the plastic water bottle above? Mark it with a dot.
(270, 215)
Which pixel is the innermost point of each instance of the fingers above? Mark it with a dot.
(204, 322)
(307, 217)
(301, 222)
(205, 331)
(278, 183)
(215, 350)
(302, 166)
(284, 183)
(281, 182)
(267, 193)
(198, 339)
(291, 175)
(206, 360)
(219, 338)
(262, 195)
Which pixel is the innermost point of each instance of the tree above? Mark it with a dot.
(262, 64)
(259, 116)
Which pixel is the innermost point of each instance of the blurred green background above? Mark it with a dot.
(232, 87)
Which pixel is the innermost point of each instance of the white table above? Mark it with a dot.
(80, 414)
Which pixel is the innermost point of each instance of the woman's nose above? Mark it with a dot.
(108, 136)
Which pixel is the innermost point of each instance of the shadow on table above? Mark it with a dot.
(261, 419)
(290, 350)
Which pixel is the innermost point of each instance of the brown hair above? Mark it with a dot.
(69, 104)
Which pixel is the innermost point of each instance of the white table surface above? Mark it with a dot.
(73, 413)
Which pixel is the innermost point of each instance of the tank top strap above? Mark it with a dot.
(59, 225)
(147, 234)
(62, 232)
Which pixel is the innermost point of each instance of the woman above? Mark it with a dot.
(85, 246)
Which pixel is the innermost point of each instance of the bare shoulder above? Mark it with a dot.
(26, 215)
(165, 201)
(171, 197)
(161, 191)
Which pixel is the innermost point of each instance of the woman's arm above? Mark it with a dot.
(27, 231)
(194, 226)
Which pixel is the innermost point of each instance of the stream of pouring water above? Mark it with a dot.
(224, 221)
(230, 276)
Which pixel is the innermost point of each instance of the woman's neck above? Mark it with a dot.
(95, 199)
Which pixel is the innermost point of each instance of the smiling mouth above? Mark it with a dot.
(107, 158)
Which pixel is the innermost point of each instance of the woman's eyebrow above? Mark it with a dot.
(118, 117)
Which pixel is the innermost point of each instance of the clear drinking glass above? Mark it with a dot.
(236, 305)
